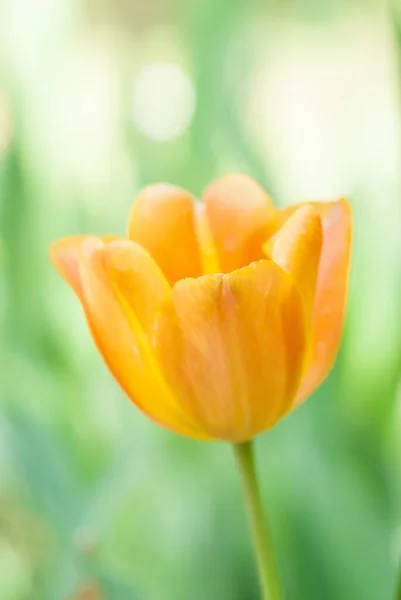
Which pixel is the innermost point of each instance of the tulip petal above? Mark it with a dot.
(296, 247)
(65, 256)
(231, 348)
(331, 291)
(241, 217)
(117, 332)
(163, 222)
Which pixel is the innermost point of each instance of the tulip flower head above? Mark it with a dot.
(216, 318)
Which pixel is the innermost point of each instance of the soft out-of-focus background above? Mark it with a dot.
(98, 98)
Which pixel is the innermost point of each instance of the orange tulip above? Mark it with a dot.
(216, 318)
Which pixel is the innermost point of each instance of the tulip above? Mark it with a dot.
(216, 318)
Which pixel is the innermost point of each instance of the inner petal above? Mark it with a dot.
(241, 217)
(163, 222)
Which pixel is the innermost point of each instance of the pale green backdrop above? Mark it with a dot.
(98, 98)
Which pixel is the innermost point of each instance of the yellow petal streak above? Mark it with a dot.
(210, 262)
(241, 217)
(137, 278)
(231, 347)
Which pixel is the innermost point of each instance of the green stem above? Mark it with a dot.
(268, 576)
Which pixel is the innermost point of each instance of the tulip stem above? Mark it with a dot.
(263, 549)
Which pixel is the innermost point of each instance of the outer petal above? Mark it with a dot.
(231, 347)
(331, 293)
(297, 249)
(117, 330)
(163, 222)
(65, 256)
(241, 217)
(137, 279)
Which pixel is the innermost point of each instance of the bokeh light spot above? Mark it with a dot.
(163, 101)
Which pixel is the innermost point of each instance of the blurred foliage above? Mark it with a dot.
(95, 501)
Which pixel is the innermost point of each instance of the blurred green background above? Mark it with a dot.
(98, 98)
